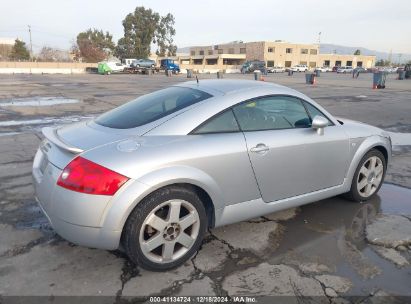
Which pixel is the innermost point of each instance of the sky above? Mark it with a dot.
(375, 24)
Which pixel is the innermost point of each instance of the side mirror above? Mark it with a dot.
(319, 123)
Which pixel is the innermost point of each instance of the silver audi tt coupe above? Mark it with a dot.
(152, 175)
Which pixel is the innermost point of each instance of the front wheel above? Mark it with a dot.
(368, 177)
(165, 229)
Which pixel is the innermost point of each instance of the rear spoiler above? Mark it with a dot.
(51, 135)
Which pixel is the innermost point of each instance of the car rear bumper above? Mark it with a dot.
(82, 235)
(74, 216)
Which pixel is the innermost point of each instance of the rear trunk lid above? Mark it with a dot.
(65, 143)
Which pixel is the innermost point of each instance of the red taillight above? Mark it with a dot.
(84, 176)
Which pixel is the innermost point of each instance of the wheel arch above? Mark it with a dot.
(383, 150)
(120, 208)
(377, 142)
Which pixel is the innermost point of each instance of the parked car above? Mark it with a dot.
(360, 70)
(143, 63)
(156, 173)
(128, 61)
(372, 70)
(276, 70)
(324, 69)
(388, 69)
(108, 67)
(345, 69)
(252, 66)
(299, 68)
(170, 65)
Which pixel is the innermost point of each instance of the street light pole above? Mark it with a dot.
(31, 44)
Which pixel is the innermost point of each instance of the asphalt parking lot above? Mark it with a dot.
(333, 251)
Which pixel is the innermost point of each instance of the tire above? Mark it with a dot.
(155, 210)
(368, 180)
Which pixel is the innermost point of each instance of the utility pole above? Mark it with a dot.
(31, 44)
(319, 46)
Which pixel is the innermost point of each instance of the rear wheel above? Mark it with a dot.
(368, 177)
(165, 229)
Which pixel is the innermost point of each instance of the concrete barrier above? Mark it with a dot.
(29, 67)
(41, 71)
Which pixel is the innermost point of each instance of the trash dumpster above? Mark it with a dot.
(317, 73)
(310, 78)
(189, 73)
(290, 72)
(378, 80)
(401, 75)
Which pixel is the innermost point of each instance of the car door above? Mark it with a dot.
(288, 157)
(221, 152)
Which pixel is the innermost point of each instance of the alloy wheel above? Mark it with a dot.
(169, 231)
(370, 176)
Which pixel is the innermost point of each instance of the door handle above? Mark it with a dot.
(260, 148)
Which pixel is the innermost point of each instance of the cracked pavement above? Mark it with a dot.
(331, 251)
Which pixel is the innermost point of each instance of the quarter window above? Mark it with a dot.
(272, 113)
(224, 122)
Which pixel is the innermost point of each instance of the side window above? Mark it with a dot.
(224, 122)
(271, 113)
(313, 111)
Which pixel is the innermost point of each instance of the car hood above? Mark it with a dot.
(359, 129)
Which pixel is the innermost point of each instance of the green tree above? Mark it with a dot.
(164, 36)
(382, 62)
(357, 52)
(19, 51)
(95, 45)
(142, 28)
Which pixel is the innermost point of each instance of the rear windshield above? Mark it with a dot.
(151, 107)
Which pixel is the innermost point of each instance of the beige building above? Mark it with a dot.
(230, 56)
(6, 45)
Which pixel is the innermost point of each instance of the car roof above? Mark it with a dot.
(229, 86)
(226, 93)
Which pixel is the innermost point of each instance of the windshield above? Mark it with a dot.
(151, 107)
